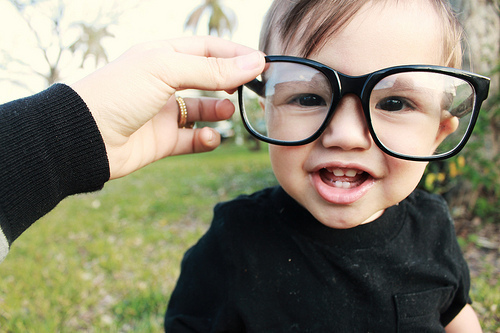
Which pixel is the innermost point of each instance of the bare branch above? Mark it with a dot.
(50, 39)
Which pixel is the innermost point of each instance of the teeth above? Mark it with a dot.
(351, 173)
(338, 172)
(347, 172)
(340, 184)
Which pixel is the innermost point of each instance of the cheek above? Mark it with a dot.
(287, 163)
(404, 176)
(415, 136)
(279, 156)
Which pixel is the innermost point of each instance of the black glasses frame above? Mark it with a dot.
(362, 87)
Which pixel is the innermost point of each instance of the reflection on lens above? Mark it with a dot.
(290, 103)
(421, 113)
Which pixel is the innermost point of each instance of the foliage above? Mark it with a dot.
(91, 42)
(470, 181)
(61, 38)
(221, 19)
(486, 303)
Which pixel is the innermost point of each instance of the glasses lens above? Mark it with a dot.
(289, 102)
(421, 114)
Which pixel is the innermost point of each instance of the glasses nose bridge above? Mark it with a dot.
(346, 85)
(351, 85)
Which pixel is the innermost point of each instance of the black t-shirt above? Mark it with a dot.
(266, 265)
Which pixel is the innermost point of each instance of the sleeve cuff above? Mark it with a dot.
(51, 148)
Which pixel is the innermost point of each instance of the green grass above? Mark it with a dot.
(107, 261)
(486, 298)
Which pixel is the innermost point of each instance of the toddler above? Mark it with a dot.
(354, 105)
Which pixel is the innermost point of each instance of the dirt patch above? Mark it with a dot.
(482, 249)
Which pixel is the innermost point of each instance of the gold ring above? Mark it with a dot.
(183, 114)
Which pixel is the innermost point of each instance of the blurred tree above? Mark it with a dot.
(61, 40)
(472, 179)
(481, 21)
(91, 42)
(221, 19)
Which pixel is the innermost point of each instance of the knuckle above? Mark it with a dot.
(218, 71)
(201, 110)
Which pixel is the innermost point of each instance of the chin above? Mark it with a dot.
(340, 220)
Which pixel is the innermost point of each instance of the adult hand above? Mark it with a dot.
(132, 98)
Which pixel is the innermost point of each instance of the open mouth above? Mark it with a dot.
(343, 178)
(338, 185)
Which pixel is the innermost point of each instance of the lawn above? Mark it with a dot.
(107, 261)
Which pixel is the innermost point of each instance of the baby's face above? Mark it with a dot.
(343, 178)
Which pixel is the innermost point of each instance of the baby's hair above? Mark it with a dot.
(302, 27)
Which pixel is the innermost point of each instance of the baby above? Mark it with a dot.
(353, 107)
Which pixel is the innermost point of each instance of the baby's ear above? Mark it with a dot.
(262, 103)
(448, 125)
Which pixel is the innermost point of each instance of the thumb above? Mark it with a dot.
(211, 73)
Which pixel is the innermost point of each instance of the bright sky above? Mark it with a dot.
(149, 20)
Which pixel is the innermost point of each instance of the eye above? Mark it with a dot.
(394, 103)
(308, 100)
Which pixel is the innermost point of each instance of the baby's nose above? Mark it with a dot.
(347, 128)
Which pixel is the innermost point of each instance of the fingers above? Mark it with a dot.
(133, 98)
(208, 46)
(208, 73)
(203, 63)
(198, 140)
(208, 109)
(206, 139)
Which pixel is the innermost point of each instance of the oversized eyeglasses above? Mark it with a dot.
(416, 112)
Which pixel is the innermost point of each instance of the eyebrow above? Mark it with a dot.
(315, 84)
(399, 83)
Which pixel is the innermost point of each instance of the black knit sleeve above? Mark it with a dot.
(50, 148)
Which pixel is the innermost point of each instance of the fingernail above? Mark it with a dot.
(250, 61)
(211, 137)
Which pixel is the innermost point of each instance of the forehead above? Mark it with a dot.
(385, 34)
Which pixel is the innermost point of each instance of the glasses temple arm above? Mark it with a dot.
(256, 86)
(463, 108)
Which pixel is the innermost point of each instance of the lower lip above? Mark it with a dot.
(340, 196)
